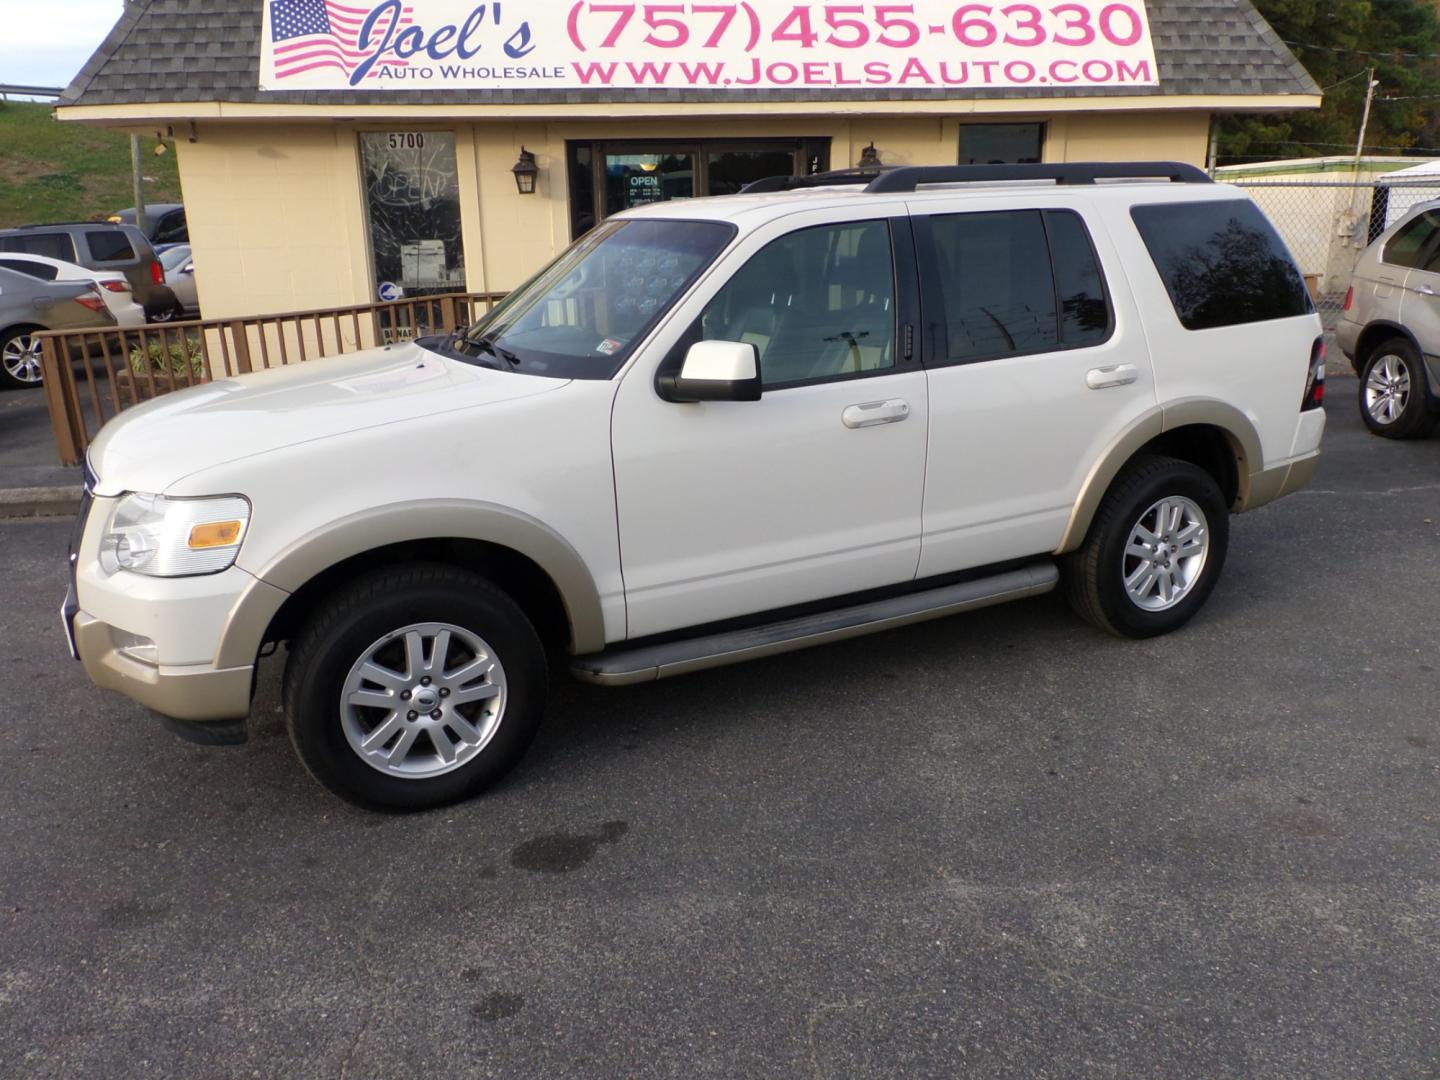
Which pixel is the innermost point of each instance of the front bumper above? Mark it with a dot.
(206, 630)
(189, 692)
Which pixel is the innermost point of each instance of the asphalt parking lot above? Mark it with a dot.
(999, 845)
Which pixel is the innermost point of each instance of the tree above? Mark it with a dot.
(1338, 41)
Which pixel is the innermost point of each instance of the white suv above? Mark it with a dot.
(711, 430)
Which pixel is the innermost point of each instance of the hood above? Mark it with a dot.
(151, 447)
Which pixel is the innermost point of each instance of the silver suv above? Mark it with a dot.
(1390, 328)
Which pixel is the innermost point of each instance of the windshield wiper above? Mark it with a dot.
(485, 344)
(461, 345)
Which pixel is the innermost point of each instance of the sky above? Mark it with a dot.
(46, 41)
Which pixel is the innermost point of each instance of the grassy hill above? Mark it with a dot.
(70, 172)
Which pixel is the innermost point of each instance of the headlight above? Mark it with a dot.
(150, 534)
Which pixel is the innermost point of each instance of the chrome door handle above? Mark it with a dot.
(1119, 375)
(873, 413)
(1424, 290)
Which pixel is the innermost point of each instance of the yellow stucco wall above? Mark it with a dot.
(278, 224)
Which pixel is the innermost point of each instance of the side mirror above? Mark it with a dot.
(715, 371)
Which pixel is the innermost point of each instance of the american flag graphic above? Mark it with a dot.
(310, 34)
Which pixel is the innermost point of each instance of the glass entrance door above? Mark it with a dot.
(640, 179)
(608, 177)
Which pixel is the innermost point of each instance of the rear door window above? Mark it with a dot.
(51, 245)
(1015, 282)
(110, 245)
(1222, 263)
(1406, 246)
(31, 269)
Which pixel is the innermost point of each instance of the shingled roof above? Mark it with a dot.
(209, 50)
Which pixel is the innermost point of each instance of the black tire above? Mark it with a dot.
(1398, 405)
(343, 631)
(1094, 576)
(14, 380)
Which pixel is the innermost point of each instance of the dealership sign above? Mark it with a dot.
(708, 45)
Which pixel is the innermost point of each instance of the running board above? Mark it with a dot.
(625, 665)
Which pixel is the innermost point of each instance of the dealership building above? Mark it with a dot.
(333, 153)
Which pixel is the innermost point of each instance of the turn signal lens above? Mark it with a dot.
(215, 534)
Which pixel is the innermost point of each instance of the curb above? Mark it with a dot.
(39, 502)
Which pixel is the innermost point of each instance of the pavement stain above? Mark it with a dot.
(497, 1006)
(132, 915)
(560, 853)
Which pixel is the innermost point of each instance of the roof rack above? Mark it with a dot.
(909, 177)
(823, 179)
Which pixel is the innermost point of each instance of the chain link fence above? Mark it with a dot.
(1327, 224)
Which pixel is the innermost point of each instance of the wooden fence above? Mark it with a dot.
(106, 371)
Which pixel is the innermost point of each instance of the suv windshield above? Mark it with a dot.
(581, 316)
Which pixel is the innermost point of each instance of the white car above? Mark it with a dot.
(114, 288)
(179, 264)
(711, 430)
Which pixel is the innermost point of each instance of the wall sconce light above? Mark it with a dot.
(869, 157)
(525, 171)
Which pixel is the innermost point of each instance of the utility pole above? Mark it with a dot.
(1370, 84)
(139, 181)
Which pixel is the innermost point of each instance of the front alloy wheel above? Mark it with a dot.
(20, 360)
(423, 701)
(414, 687)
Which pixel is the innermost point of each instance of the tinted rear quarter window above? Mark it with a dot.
(1222, 263)
(51, 245)
(31, 269)
(110, 245)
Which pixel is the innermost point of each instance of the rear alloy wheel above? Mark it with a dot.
(415, 687)
(19, 359)
(1154, 551)
(1394, 398)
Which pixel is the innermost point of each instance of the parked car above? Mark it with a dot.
(179, 266)
(1390, 326)
(114, 288)
(711, 430)
(164, 223)
(28, 306)
(120, 248)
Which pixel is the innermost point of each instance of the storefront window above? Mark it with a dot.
(412, 198)
(727, 171)
(1001, 144)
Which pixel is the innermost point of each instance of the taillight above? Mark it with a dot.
(1315, 380)
(93, 301)
(1349, 298)
(157, 272)
(115, 286)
